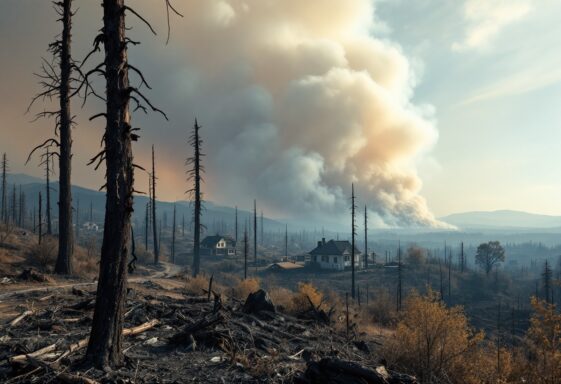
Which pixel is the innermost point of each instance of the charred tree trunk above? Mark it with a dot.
(286, 240)
(146, 225)
(399, 278)
(65, 240)
(195, 175)
(173, 236)
(365, 238)
(255, 233)
(47, 163)
(40, 226)
(4, 201)
(353, 234)
(236, 224)
(245, 252)
(153, 203)
(105, 342)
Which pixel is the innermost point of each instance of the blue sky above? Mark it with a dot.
(497, 99)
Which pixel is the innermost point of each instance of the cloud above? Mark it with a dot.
(487, 18)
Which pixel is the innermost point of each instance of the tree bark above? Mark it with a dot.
(105, 343)
(65, 240)
(154, 226)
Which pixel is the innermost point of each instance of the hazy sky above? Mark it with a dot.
(430, 106)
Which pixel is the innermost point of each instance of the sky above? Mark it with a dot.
(429, 107)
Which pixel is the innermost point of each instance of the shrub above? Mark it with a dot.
(197, 285)
(305, 291)
(245, 287)
(435, 342)
(283, 299)
(43, 256)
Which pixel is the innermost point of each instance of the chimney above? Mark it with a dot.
(319, 244)
(323, 240)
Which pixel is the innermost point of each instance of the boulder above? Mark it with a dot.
(258, 301)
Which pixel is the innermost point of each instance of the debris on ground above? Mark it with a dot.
(171, 337)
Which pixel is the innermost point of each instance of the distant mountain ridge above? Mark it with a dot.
(217, 218)
(507, 219)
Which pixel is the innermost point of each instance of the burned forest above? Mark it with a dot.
(222, 191)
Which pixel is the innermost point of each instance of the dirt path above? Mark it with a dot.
(169, 270)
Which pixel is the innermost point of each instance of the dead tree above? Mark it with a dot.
(78, 220)
(353, 235)
(286, 240)
(182, 225)
(262, 230)
(245, 251)
(255, 233)
(153, 204)
(4, 201)
(462, 258)
(22, 208)
(173, 236)
(14, 206)
(46, 162)
(40, 226)
(146, 226)
(56, 80)
(105, 342)
(194, 174)
(547, 276)
(399, 278)
(365, 238)
(236, 224)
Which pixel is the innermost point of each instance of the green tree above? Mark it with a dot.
(489, 254)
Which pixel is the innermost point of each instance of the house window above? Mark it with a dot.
(347, 258)
(325, 259)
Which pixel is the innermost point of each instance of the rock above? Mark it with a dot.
(258, 301)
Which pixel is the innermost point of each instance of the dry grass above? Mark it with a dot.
(245, 287)
(43, 256)
(196, 286)
(283, 298)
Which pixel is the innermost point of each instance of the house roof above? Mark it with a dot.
(334, 247)
(286, 265)
(211, 241)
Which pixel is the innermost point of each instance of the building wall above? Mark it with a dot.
(337, 262)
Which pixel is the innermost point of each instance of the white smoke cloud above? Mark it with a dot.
(298, 100)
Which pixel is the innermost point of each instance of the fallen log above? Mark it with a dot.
(80, 344)
(15, 321)
(73, 379)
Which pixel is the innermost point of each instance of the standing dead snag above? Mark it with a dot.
(105, 344)
(56, 81)
(173, 236)
(353, 235)
(4, 201)
(365, 238)
(153, 206)
(46, 161)
(194, 174)
(255, 233)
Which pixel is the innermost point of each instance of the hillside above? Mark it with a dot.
(502, 219)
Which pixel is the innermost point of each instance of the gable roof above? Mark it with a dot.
(211, 241)
(334, 247)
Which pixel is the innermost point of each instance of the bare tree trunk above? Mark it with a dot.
(4, 201)
(365, 238)
(399, 278)
(195, 175)
(255, 233)
(105, 343)
(173, 236)
(154, 227)
(245, 252)
(48, 192)
(40, 217)
(353, 234)
(65, 240)
(146, 225)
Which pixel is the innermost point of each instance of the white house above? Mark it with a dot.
(218, 246)
(334, 255)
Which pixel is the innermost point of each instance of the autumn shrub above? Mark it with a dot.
(543, 341)
(434, 342)
(305, 294)
(196, 286)
(381, 308)
(245, 287)
(283, 298)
